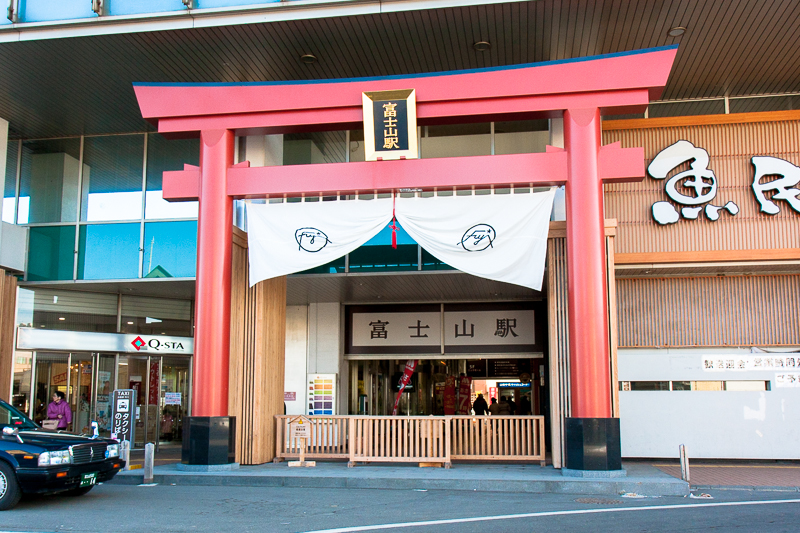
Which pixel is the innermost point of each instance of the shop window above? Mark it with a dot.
(170, 249)
(10, 185)
(51, 253)
(156, 316)
(313, 148)
(112, 178)
(67, 310)
(162, 155)
(21, 381)
(49, 181)
(429, 262)
(521, 137)
(644, 385)
(108, 251)
(456, 140)
(730, 385)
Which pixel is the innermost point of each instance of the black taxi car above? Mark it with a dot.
(35, 460)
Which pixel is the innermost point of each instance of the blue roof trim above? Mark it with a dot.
(405, 76)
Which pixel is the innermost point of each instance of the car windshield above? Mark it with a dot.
(10, 417)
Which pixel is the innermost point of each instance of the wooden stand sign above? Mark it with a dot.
(300, 428)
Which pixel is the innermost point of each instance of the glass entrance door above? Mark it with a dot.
(80, 394)
(51, 375)
(174, 399)
(104, 379)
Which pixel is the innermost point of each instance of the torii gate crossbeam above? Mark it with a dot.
(578, 90)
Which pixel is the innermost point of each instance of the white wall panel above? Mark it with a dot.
(712, 424)
(296, 357)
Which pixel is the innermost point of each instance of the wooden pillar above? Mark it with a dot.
(8, 304)
(257, 354)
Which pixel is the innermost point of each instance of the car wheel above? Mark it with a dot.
(9, 488)
(80, 491)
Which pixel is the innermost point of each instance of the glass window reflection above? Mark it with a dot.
(108, 251)
(163, 154)
(156, 316)
(49, 181)
(51, 253)
(112, 178)
(170, 249)
(10, 186)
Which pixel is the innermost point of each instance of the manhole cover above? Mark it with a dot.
(599, 501)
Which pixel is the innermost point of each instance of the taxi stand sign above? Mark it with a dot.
(123, 406)
(390, 125)
(300, 429)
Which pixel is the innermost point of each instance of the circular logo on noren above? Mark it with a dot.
(311, 239)
(478, 238)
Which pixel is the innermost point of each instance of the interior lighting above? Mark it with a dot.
(482, 46)
(677, 31)
(130, 323)
(61, 318)
(308, 59)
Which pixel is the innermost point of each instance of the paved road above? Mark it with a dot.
(124, 508)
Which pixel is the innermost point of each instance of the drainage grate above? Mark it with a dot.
(599, 501)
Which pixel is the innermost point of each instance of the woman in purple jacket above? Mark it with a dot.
(59, 410)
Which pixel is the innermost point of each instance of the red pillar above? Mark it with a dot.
(586, 264)
(213, 293)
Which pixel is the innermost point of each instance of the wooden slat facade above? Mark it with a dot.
(744, 307)
(730, 146)
(8, 302)
(258, 346)
(709, 311)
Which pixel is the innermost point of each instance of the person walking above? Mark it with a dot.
(479, 406)
(59, 410)
(505, 409)
(494, 409)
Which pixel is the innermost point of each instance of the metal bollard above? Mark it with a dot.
(149, 457)
(125, 453)
(684, 464)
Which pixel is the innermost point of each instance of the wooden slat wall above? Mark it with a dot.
(258, 346)
(558, 333)
(709, 311)
(730, 146)
(558, 324)
(8, 302)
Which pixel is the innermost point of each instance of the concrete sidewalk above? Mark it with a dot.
(741, 475)
(642, 479)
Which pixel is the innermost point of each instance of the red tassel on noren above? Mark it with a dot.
(393, 226)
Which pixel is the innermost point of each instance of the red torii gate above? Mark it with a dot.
(579, 90)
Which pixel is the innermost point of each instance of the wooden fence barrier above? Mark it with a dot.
(498, 438)
(413, 439)
(417, 439)
(328, 438)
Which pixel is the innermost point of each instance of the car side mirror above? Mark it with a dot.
(12, 431)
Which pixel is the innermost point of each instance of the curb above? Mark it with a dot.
(752, 488)
(613, 487)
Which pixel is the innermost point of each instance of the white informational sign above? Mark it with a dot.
(43, 339)
(322, 394)
(787, 379)
(746, 363)
(172, 398)
(464, 328)
(495, 330)
(398, 329)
